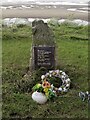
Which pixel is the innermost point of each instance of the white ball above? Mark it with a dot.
(39, 97)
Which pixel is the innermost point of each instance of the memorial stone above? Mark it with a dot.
(43, 46)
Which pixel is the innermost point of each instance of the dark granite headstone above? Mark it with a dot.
(44, 56)
(43, 48)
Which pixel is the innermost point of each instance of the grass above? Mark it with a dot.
(71, 57)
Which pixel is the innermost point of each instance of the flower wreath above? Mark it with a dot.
(48, 88)
(58, 74)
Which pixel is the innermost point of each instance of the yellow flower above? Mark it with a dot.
(47, 94)
(46, 90)
(38, 85)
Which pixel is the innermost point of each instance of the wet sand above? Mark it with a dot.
(59, 13)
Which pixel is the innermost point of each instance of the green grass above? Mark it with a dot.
(71, 57)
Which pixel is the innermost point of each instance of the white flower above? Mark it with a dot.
(51, 72)
(64, 73)
(65, 90)
(47, 74)
(67, 85)
(61, 71)
(68, 80)
(43, 77)
(60, 89)
(63, 82)
(63, 77)
(87, 92)
(52, 86)
(50, 75)
(54, 91)
(57, 71)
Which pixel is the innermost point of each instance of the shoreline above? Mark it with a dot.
(59, 13)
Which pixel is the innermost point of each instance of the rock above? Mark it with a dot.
(42, 34)
(39, 97)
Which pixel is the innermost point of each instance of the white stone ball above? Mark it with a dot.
(39, 97)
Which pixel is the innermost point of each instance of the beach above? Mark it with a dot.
(59, 12)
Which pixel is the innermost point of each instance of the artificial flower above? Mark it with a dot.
(47, 94)
(37, 87)
(52, 86)
(68, 80)
(54, 73)
(57, 73)
(46, 84)
(51, 71)
(43, 77)
(64, 73)
(46, 90)
(47, 74)
(49, 89)
(67, 85)
(60, 89)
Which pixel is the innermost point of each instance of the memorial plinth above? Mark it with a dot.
(43, 47)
